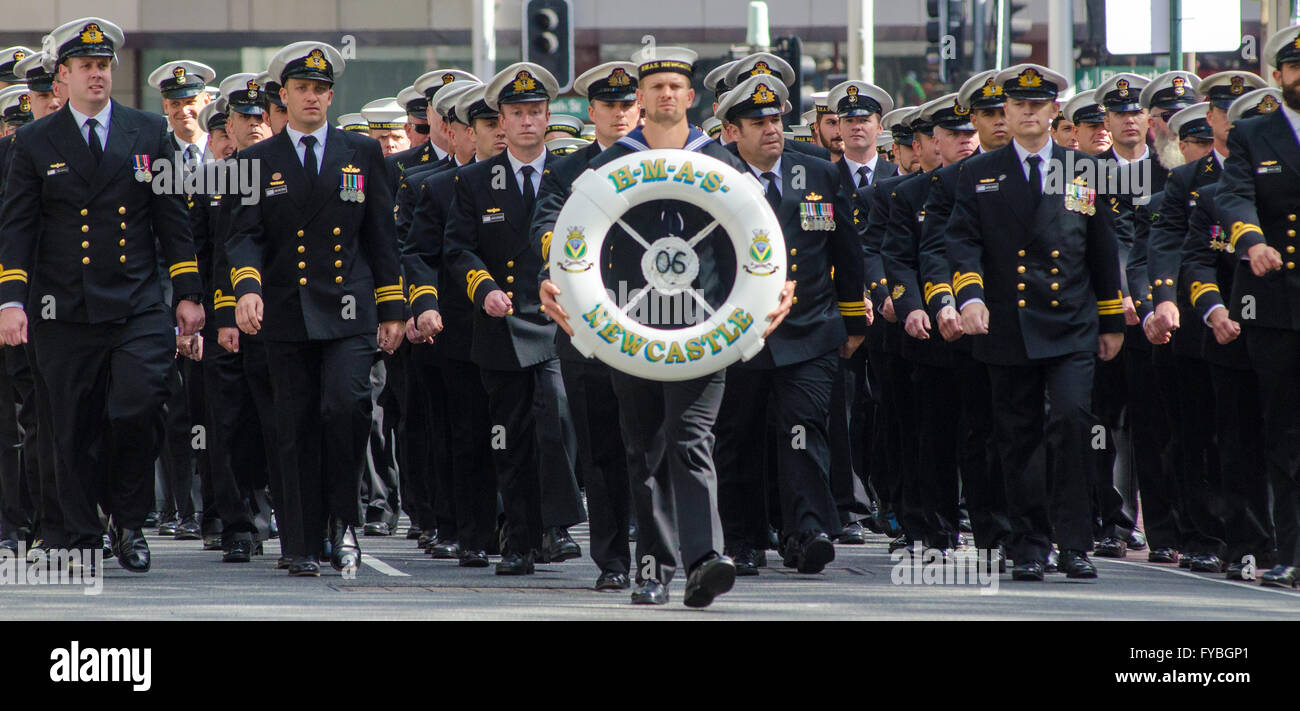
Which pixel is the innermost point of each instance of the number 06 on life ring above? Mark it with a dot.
(733, 331)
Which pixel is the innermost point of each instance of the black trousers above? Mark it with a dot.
(1275, 355)
(423, 447)
(321, 392)
(379, 484)
(1113, 495)
(107, 384)
(473, 477)
(668, 432)
(15, 503)
(533, 448)
(1186, 384)
(1152, 447)
(850, 447)
(602, 460)
(799, 395)
(257, 375)
(176, 485)
(38, 444)
(236, 453)
(1045, 404)
(1239, 421)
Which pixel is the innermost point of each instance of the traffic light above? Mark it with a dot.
(548, 38)
(1018, 29)
(945, 32)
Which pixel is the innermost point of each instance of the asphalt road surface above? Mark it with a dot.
(399, 582)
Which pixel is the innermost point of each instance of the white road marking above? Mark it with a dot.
(1223, 581)
(382, 567)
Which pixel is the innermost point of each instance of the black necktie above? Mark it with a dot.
(1035, 180)
(96, 148)
(530, 195)
(864, 175)
(772, 193)
(309, 157)
(191, 158)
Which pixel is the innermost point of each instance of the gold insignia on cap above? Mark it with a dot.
(1296, 43)
(763, 95)
(316, 60)
(253, 86)
(990, 89)
(1121, 84)
(1030, 78)
(90, 34)
(760, 68)
(619, 77)
(1238, 85)
(1178, 81)
(524, 81)
(448, 78)
(960, 110)
(25, 104)
(1267, 105)
(852, 92)
(18, 56)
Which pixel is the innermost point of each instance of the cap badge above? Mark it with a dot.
(18, 56)
(990, 89)
(960, 110)
(852, 92)
(316, 60)
(1030, 78)
(448, 78)
(90, 34)
(619, 78)
(763, 95)
(1267, 105)
(1238, 85)
(524, 82)
(760, 68)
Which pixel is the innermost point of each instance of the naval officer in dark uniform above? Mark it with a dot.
(315, 267)
(102, 332)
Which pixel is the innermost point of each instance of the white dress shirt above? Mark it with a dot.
(1045, 153)
(854, 165)
(103, 117)
(758, 173)
(298, 147)
(517, 166)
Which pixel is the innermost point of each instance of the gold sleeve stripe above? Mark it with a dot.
(1199, 290)
(1111, 302)
(1239, 229)
(222, 302)
(418, 291)
(473, 279)
(932, 290)
(190, 267)
(962, 280)
(238, 275)
(1109, 310)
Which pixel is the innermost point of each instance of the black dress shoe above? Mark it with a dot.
(558, 546)
(1031, 571)
(378, 528)
(1185, 561)
(1280, 576)
(151, 519)
(304, 567)
(427, 538)
(346, 552)
(445, 549)
(899, 543)
(168, 526)
(1111, 547)
(710, 579)
(212, 542)
(284, 562)
(872, 523)
(743, 557)
(132, 549)
(612, 581)
(1075, 564)
(240, 551)
(1162, 555)
(1207, 563)
(516, 564)
(473, 559)
(1235, 571)
(852, 535)
(1053, 561)
(650, 592)
(413, 533)
(188, 530)
(815, 553)
(1137, 540)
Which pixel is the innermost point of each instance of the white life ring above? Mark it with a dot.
(602, 329)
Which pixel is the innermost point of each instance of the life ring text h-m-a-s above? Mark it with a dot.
(731, 332)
